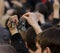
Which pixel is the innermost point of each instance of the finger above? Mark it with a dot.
(24, 17)
(14, 18)
(10, 19)
(27, 14)
(8, 24)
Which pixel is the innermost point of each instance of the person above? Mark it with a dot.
(4, 33)
(53, 12)
(30, 40)
(49, 41)
(56, 12)
(16, 40)
(36, 29)
(5, 48)
(41, 8)
(31, 19)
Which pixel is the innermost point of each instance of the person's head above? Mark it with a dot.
(19, 11)
(28, 7)
(49, 41)
(42, 8)
(7, 49)
(49, 9)
(30, 39)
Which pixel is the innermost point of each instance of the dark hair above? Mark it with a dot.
(42, 8)
(30, 39)
(49, 7)
(50, 38)
(27, 6)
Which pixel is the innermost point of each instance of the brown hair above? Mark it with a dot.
(50, 38)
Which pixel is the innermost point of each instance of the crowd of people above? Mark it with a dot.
(29, 26)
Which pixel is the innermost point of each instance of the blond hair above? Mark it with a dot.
(1, 8)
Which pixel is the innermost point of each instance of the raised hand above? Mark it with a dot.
(12, 24)
(56, 8)
(40, 18)
(32, 20)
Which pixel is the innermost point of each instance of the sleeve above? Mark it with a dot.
(18, 43)
(55, 21)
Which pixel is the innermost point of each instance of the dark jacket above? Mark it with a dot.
(4, 35)
(19, 44)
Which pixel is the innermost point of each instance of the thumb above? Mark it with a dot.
(25, 17)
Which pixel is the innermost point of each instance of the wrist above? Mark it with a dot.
(56, 14)
(13, 31)
(37, 29)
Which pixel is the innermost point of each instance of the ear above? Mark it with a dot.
(47, 50)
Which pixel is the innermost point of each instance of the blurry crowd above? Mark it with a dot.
(29, 26)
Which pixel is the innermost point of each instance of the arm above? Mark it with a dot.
(56, 12)
(31, 18)
(18, 43)
(56, 9)
(16, 39)
(37, 29)
(17, 3)
(40, 18)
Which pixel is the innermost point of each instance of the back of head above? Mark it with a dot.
(7, 49)
(49, 7)
(50, 38)
(30, 39)
(42, 8)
